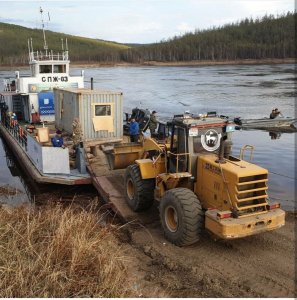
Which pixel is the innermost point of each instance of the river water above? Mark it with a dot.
(249, 91)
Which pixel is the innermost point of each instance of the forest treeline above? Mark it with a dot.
(260, 38)
(267, 37)
(14, 45)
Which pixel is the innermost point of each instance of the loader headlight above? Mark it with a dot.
(230, 128)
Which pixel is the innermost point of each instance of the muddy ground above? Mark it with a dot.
(258, 266)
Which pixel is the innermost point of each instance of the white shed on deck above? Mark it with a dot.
(100, 112)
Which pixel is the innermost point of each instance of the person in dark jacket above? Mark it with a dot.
(57, 140)
(134, 130)
(275, 113)
(153, 122)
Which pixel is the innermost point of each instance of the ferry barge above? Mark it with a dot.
(27, 108)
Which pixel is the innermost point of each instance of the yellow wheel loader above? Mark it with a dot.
(199, 184)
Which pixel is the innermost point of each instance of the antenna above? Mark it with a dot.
(66, 49)
(31, 45)
(29, 50)
(44, 39)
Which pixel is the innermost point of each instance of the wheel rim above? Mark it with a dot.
(171, 218)
(130, 188)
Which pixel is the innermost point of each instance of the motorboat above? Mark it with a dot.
(277, 123)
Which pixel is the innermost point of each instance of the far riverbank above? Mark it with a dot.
(266, 61)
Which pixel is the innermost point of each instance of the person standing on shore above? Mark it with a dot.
(134, 130)
(153, 122)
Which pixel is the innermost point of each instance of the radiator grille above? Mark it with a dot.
(251, 194)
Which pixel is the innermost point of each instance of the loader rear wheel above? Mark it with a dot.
(139, 192)
(182, 216)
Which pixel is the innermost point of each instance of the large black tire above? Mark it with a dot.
(139, 192)
(182, 216)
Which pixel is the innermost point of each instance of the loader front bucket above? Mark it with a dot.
(123, 155)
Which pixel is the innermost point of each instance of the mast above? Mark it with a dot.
(66, 50)
(45, 47)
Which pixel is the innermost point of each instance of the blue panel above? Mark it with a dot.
(46, 103)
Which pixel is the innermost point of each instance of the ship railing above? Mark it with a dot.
(9, 85)
(16, 130)
(42, 56)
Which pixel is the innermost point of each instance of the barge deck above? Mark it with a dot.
(109, 183)
(73, 179)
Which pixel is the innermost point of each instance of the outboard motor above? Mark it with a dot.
(228, 148)
(221, 154)
(237, 121)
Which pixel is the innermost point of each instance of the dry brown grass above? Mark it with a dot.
(6, 190)
(58, 252)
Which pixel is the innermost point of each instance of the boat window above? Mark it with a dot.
(102, 110)
(45, 69)
(59, 68)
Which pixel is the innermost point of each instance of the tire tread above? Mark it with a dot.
(144, 189)
(192, 216)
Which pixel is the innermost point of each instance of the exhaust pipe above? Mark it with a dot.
(221, 159)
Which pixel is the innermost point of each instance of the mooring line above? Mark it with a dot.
(282, 175)
(283, 200)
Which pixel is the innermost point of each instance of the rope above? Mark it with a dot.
(283, 200)
(282, 175)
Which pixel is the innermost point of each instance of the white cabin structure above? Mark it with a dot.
(31, 97)
(26, 96)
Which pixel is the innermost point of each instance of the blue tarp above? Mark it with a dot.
(46, 103)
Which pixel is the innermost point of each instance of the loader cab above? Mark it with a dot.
(194, 136)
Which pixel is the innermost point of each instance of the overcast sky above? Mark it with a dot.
(135, 21)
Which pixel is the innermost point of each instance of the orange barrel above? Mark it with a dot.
(35, 117)
(21, 131)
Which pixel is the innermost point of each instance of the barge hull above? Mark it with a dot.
(31, 170)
